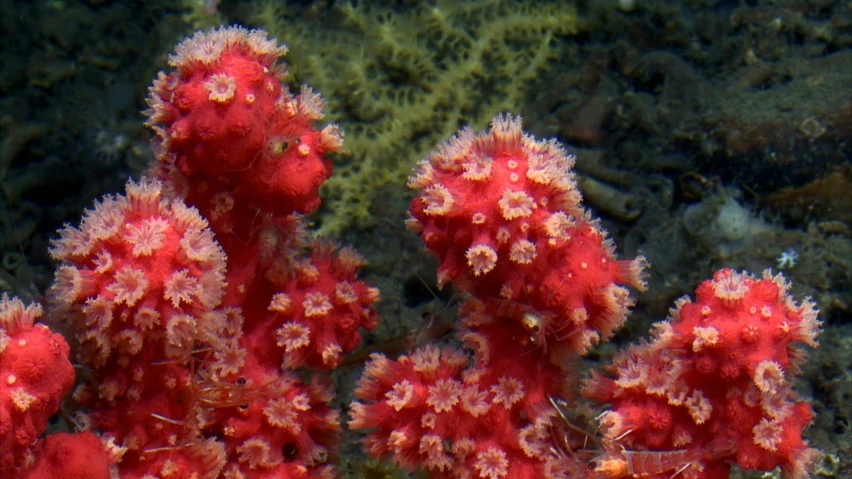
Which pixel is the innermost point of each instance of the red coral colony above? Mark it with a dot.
(204, 321)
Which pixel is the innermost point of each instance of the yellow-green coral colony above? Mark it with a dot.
(400, 80)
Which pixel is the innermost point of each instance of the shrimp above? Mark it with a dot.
(433, 327)
(204, 392)
(636, 464)
(569, 439)
(648, 463)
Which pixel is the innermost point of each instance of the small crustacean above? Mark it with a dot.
(679, 462)
(534, 323)
(540, 325)
(568, 438)
(648, 463)
(433, 328)
(207, 391)
(695, 187)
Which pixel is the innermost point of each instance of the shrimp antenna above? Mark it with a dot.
(571, 426)
(432, 292)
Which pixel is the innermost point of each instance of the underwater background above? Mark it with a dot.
(708, 134)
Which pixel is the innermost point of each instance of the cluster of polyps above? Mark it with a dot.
(715, 383)
(195, 295)
(502, 213)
